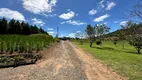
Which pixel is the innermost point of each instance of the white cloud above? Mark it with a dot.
(77, 23)
(110, 5)
(72, 35)
(51, 33)
(61, 35)
(115, 21)
(75, 34)
(63, 22)
(105, 23)
(67, 16)
(39, 6)
(101, 4)
(78, 31)
(11, 14)
(123, 24)
(38, 22)
(68, 9)
(76, 14)
(101, 18)
(92, 12)
(49, 15)
(50, 29)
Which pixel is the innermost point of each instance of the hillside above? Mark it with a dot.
(118, 33)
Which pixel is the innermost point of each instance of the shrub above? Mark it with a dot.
(98, 42)
(115, 41)
(19, 58)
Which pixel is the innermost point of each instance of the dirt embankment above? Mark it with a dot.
(63, 61)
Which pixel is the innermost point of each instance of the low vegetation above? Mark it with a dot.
(19, 49)
(126, 62)
(23, 44)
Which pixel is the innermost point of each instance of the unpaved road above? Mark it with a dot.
(63, 61)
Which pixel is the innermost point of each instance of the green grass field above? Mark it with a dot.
(126, 62)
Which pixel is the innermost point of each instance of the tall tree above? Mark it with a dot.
(3, 26)
(91, 34)
(101, 30)
(134, 36)
(11, 27)
(26, 30)
(18, 27)
(34, 29)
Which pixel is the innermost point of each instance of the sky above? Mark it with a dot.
(70, 16)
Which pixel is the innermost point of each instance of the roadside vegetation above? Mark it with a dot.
(126, 62)
(21, 43)
(121, 49)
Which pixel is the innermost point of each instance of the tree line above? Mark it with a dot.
(17, 27)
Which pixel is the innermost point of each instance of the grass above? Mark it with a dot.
(126, 62)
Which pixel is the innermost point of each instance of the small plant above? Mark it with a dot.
(19, 58)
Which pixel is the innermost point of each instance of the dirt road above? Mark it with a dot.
(64, 61)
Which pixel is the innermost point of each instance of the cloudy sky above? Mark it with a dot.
(69, 15)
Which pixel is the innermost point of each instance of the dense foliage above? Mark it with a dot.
(23, 44)
(17, 27)
(18, 50)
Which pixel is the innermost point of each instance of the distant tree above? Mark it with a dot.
(34, 29)
(91, 34)
(122, 35)
(42, 31)
(3, 26)
(79, 36)
(100, 31)
(25, 28)
(11, 27)
(115, 41)
(18, 27)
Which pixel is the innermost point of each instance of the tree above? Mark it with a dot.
(79, 36)
(136, 41)
(34, 29)
(25, 28)
(134, 36)
(3, 26)
(11, 27)
(122, 35)
(137, 10)
(91, 34)
(100, 31)
(18, 27)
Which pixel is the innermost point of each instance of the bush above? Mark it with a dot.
(98, 42)
(115, 41)
(19, 58)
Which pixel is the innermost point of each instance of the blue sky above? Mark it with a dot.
(70, 15)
